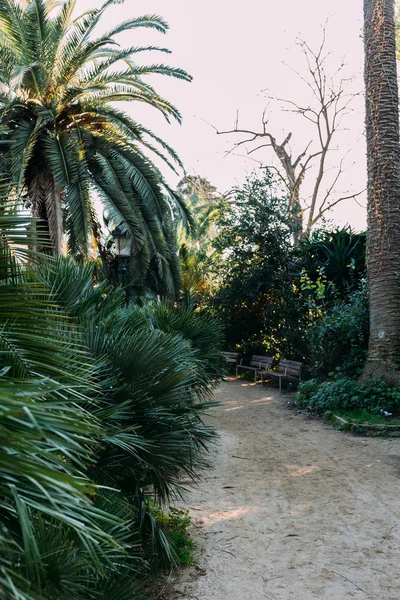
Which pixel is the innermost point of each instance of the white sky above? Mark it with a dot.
(233, 53)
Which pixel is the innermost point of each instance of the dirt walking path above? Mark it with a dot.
(292, 508)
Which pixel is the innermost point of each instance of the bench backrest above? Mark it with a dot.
(231, 357)
(291, 367)
(264, 362)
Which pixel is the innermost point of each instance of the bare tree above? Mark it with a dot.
(329, 103)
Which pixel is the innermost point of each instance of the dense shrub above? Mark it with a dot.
(338, 340)
(100, 409)
(338, 255)
(347, 394)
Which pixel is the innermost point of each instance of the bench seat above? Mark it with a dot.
(257, 363)
(286, 369)
(231, 357)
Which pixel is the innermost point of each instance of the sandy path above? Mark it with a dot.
(293, 509)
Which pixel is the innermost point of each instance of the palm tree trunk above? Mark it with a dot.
(46, 206)
(383, 163)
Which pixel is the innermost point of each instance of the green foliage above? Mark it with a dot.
(363, 416)
(52, 528)
(175, 524)
(346, 394)
(256, 297)
(205, 333)
(335, 259)
(341, 393)
(338, 338)
(157, 371)
(307, 389)
(93, 396)
(68, 142)
(196, 247)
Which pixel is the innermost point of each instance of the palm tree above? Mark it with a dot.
(195, 246)
(68, 142)
(383, 162)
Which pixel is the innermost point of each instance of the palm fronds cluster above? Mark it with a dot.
(195, 246)
(67, 143)
(100, 409)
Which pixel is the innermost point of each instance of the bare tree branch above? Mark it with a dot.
(332, 204)
(329, 104)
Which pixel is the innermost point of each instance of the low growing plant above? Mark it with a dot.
(346, 394)
(175, 524)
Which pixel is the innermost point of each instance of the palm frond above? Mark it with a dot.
(65, 139)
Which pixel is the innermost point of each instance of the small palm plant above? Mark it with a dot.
(57, 538)
(93, 396)
(160, 364)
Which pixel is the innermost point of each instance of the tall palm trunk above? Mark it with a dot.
(46, 206)
(383, 162)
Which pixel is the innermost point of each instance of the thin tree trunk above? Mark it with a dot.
(383, 162)
(297, 214)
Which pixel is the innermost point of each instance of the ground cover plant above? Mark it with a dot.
(175, 523)
(361, 416)
(347, 394)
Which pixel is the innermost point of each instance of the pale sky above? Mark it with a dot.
(234, 53)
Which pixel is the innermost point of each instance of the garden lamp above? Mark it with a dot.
(122, 245)
(122, 251)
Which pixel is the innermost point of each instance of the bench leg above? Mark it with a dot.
(237, 371)
(280, 385)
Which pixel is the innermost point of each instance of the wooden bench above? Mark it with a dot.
(231, 357)
(257, 363)
(286, 369)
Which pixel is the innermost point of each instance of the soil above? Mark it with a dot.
(291, 508)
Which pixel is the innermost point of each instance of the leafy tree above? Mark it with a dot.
(255, 297)
(69, 143)
(383, 162)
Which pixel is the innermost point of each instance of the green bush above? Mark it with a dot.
(338, 255)
(94, 396)
(338, 340)
(347, 394)
(175, 524)
(306, 390)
